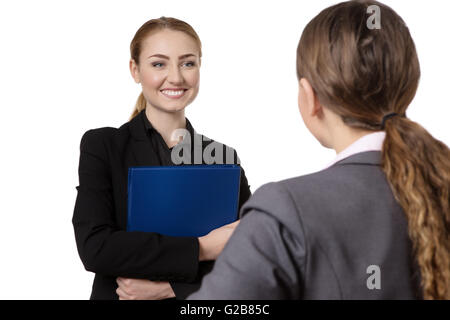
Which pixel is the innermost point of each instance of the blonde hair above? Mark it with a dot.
(364, 74)
(144, 31)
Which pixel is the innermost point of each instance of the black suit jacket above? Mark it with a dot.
(100, 214)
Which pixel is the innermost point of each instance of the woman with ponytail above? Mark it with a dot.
(165, 60)
(375, 224)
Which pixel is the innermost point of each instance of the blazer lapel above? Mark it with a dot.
(140, 144)
(139, 152)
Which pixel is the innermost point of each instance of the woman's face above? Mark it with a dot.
(168, 70)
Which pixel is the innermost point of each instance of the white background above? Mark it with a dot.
(64, 70)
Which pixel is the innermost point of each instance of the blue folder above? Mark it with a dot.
(182, 200)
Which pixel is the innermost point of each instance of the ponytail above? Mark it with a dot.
(417, 167)
(141, 103)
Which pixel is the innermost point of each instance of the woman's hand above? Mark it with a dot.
(211, 245)
(141, 289)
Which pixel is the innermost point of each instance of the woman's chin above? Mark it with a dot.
(172, 109)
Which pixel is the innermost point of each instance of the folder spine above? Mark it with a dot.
(129, 193)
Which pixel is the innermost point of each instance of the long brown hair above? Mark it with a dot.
(363, 74)
(147, 29)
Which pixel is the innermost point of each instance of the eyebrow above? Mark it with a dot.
(166, 57)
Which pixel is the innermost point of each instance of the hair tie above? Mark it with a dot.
(386, 117)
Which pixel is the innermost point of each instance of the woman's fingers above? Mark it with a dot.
(122, 294)
(123, 283)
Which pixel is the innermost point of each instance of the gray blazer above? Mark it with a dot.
(335, 234)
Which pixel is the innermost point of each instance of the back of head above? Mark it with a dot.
(363, 74)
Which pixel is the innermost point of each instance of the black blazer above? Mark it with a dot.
(100, 216)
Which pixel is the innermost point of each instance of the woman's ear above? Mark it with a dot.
(308, 100)
(134, 70)
(311, 110)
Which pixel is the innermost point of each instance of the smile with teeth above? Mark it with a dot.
(173, 93)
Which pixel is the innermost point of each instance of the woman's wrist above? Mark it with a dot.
(170, 292)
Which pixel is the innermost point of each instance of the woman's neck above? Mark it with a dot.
(346, 136)
(166, 122)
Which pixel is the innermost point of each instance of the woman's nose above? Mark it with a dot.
(174, 75)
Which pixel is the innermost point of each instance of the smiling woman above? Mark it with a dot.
(165, 58)
(167, 66)
(165, 61)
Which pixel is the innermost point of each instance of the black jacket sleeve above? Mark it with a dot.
(107, 249)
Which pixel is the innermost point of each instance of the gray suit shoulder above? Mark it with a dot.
(329, 175)
(290, 201)
(274, 199)
(278, 198)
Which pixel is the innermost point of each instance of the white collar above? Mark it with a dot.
(369, 142)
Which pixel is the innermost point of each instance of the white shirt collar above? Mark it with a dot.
(369, 142)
